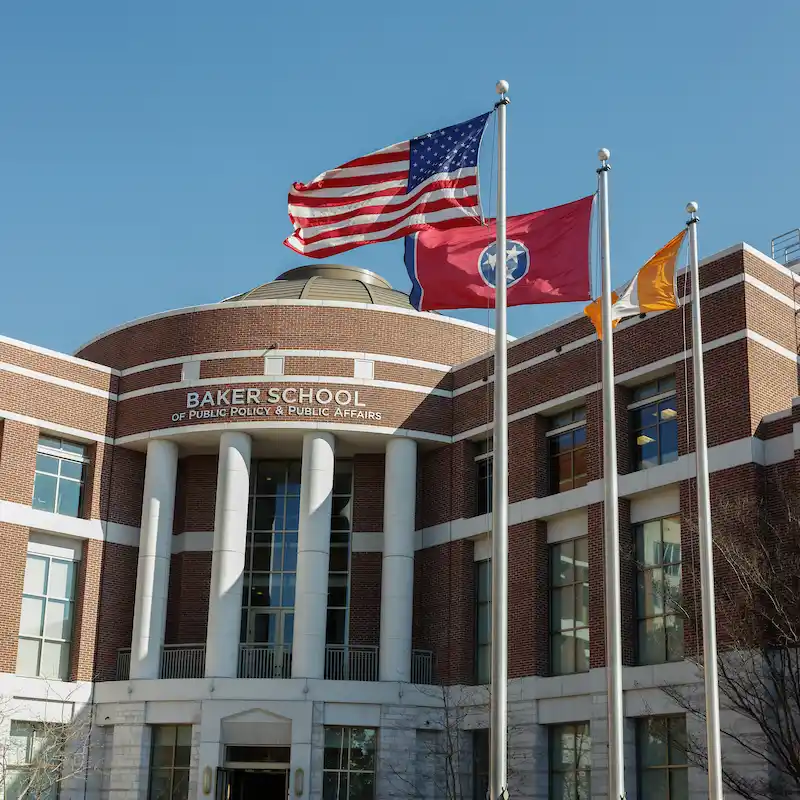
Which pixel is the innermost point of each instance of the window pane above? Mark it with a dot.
(653, 742)
(261, 558)
(334, 786)
(645, 391)
(180, 784)
(563, 608)
(44, 492)
(562, 561)
(484, 666)
(28, 657)
(579, 463)
(581, 605)
(62, 578)
(484, 623)
(338, 560)
(678, 784)
(334, 742)
(582, 559)
(184, 739)
(35, 575)
(159, 784)
(361, 786)
(31, 619)
(287, 596)
(582, 650)
(674, 625)
(290, 552)
(74, 448)
(288, 628)
(654, 784)
(270, 477)
(668, 410)
(337, 590)
(668, 434)
(343, 478)
(164, 736)
(651, 592)
(652, 642)
(259, 590)
(563, 653)
(71, 469)
(264, 517)
(649, 543)
(647, 448)
(646, 416)
(55, 660)
(50, 441)
(584, 785)
(677, 740)
(47, 464)
(58, 619)
(671, 531)
(362, 748)
(69, 498)
(563, 747)
(336, 626)
(291, 514)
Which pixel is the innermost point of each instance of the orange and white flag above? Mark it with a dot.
(652, 288)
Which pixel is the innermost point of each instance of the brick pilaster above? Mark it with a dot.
(15, 550)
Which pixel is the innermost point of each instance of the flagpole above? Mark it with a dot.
(616, 764)
(498, 770)
(704, 524)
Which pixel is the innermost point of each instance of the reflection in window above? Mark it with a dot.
(480, 763)
(567, 450)
(654, 423)
(59, 476)
(33, 759)
(483, 617)
(570, 762)
(569, 607)
(349, 764)
(483, 476)
(663, 770)
(339, 568)
(45, 624)
(169, 762)
(658, 602)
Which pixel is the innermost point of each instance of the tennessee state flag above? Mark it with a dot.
(547, 261)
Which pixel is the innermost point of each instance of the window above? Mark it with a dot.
(349, 764)
(567, 450)
(169, 762)
(658, 603)
(654, 421)
(33, 766)
(483, 477)
(483, 617)
(663, 772)
(480, 763)
(45, 624)
(569, 607)
(271, 561)
(570, 762)
(58, 482)
(339, 564)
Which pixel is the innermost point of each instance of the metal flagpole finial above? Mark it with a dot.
(604, 154)
(691, 208)
(501, 87)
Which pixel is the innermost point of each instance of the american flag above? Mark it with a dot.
(430, 181)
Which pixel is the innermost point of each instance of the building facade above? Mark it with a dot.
(248, 541)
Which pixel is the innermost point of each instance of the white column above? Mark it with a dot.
(227, 560)
(155, 551)
(313, 555)
(397, 579)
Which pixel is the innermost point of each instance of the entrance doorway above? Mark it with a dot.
(259, 784)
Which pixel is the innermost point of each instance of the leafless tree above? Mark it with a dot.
(40, 756)
(757, 561)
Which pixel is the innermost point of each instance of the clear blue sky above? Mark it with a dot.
(146, 148)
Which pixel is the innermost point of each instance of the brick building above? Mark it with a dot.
(251, 538)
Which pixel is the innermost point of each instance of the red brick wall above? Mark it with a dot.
(15, 550)
(444, 609)
(187, 601)
(87, 596)
(115, 611)
(528, 617)
(195, 493)
(446, 484)
(18, 461)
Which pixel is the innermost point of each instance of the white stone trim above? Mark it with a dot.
(45, 544)
(367, 542)
(223, 355)
(656, 504)
(779, 449)
(55, 381)
(283, 304)
(44, 351)
(571, 525)
(313, 379)
(53, 427)
(48, 522)
(193, 542)
(249, 427)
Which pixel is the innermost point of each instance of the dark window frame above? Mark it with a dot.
(660, 396)
(345, 769)
(174, 766)
(579, 587)
(483, 567)
(641, 730)
(570, 424)
(484, 465)
(553, 732)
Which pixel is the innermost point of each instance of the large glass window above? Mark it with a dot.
(663, 770)
(169, 763)
(570, 762)
(271, 565)
(349, 764)
(483, 617)
(339, 569)
(569, 606)
(658, 606)
(567, 450)
(480, 763)
(654, 423)
(58, 481)
(45, 624)
(33, 762)
(483, 476)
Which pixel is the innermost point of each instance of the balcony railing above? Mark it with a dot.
(265, 661)
(345, 662)
(177, 661)
(421, 666)
(342, 662)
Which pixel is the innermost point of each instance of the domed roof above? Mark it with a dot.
(328, 282)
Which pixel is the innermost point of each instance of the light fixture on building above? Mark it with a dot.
(299, 775)
(207, 780)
